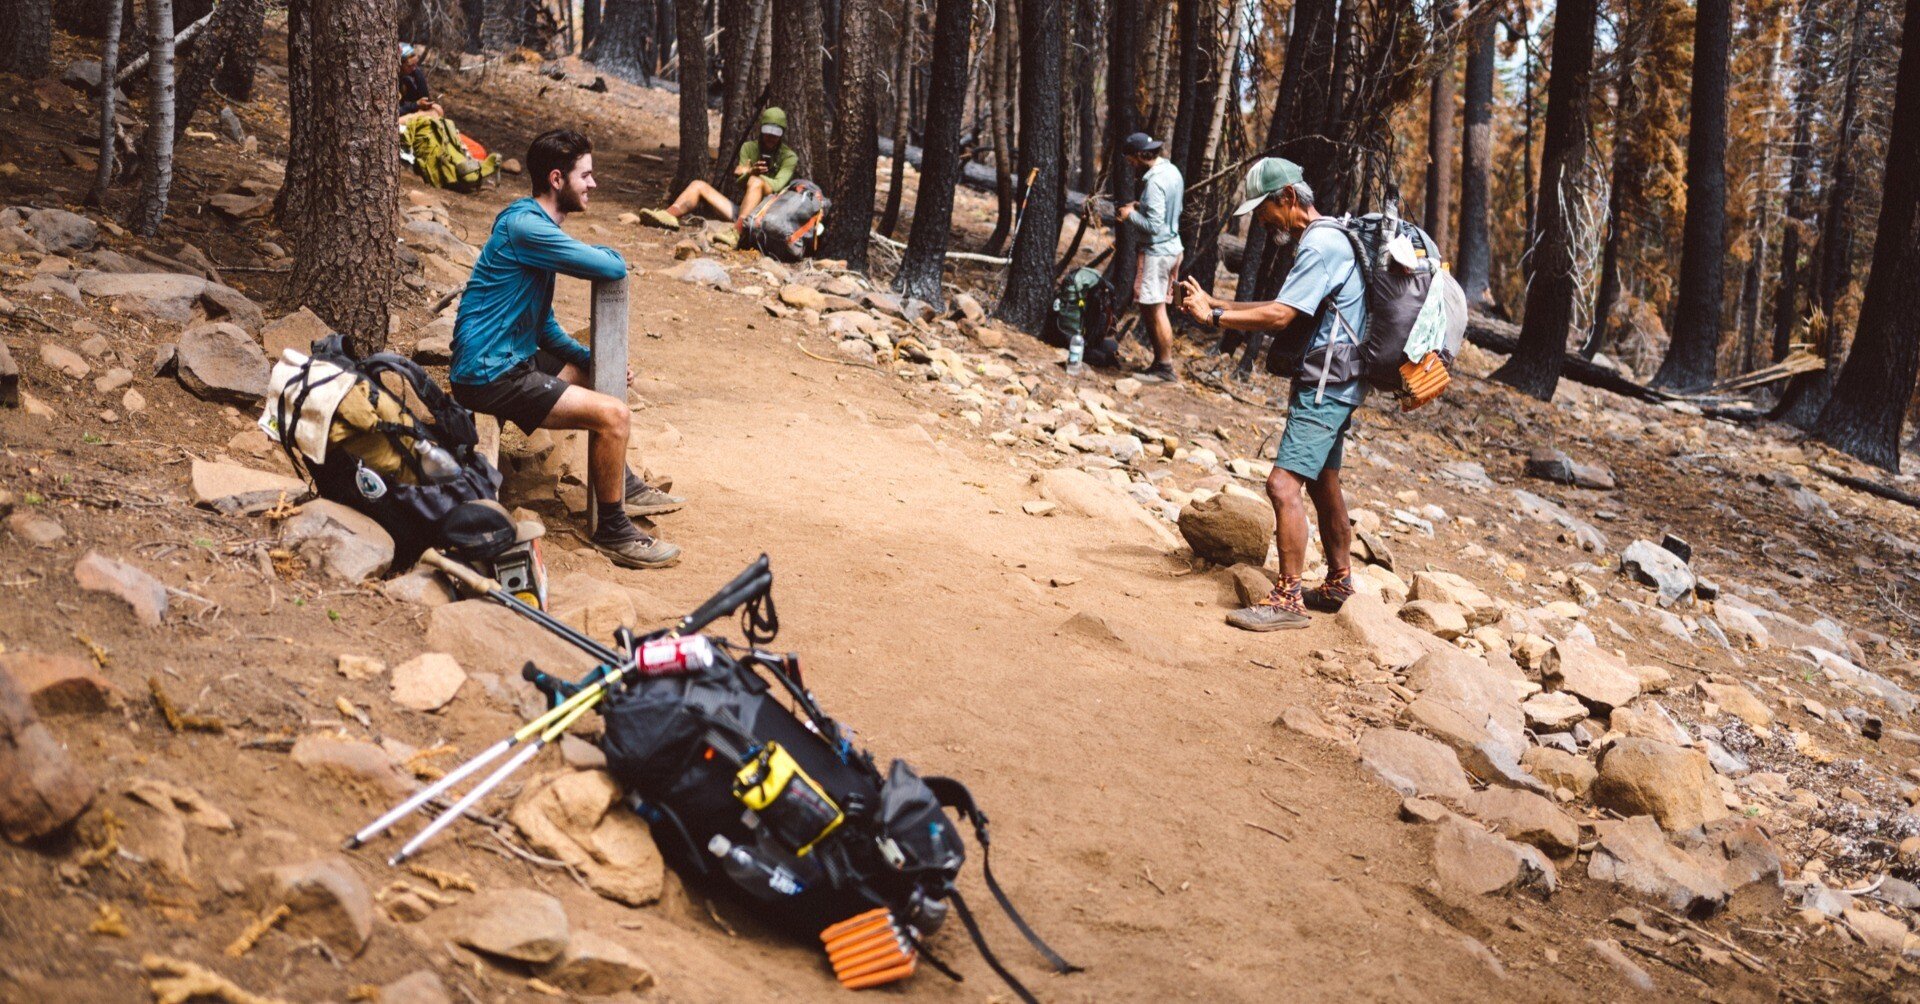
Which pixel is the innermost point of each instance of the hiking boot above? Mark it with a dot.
(637, 551)
(1158, 373)
(650, 501)
(660, 218)
(1282, 610)
(1330, 595)
(726, 237)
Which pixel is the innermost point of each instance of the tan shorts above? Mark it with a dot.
(1153, 280)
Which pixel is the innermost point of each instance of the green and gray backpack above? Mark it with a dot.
(1083, 305)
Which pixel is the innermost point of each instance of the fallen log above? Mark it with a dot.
(140, 63)
(1869, 486)
(1500, 336)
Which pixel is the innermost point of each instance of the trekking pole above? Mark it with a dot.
(745, 586)
(481, 585)
(553, 731)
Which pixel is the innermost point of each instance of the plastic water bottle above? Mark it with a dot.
(1076, 353)
(749, 870)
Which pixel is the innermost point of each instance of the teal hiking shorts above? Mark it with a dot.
(1315, 432)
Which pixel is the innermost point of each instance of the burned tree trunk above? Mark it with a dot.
(343, 264)
(931, 234)
(1123, 117)
(1863, 414)
(1693, 355)
(210, 49)
(798, 81)
(691, 29)
(1000, 123)
(242, 51)
(902, 106)
(1440, 134)
(621, 46)
(739, 38)
(1029, 290)
(1786, 304)
(1535, 366)
(156, 151)
(105, 169)
(26, 37)
(1476, 162)
(856, 140)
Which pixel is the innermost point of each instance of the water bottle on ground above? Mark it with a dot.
(1076, 353)
(750, 870)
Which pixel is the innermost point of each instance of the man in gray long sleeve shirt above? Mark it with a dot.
(1156, 215)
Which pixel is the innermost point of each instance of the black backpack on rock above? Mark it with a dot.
(720, 767)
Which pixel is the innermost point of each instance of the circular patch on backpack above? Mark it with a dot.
(371, 485)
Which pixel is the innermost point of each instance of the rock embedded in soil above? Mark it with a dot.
(344, 543)
(485, 637)
(1386, 637)
(1446, 587)
(235, 489)
(421, 986)
(297, 331)
(1653, 565)
(357, 763)
(1251, 584)
(1470, 861)
(146, 595)
(1414, 765)
(1471, 707)
(1738, 701)
(1644, 777)
(1597, 677)
(1553, 712)
(59, 684)
(1559, 769)
(65, 360)
(173, 298)
(1527, 818)
(42, 788)
(518, 924)
(427, 681)
(36, 529)
(327, 898)
(703, 271)
(220, 362)
(1443, 620)
(1307, 722)
(1613, 955)
(597, 966)
(1634, 853)
(62, 232)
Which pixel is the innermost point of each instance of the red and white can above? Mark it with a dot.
(668, 656)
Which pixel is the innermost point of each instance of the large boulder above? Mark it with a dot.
(576, 817)
(220, 362)
(1446, 587)
(1600, 679)
(1645, 777)
(344, 543)
(1526, 817)
(297, 331)
(173, 297)
(1472, 862)
(488, 638)
(433, 237)
(42, 789)
(358, 764)
(1559, 769)
(1473, 709)
(1634, 853)
(61, 232)
(1649, 563)
(597, 966)
(1414, 765)
(518, 924)
(1228, 529)
(59, 684)
(1387, 638)
(1081, 494)
(234, 489)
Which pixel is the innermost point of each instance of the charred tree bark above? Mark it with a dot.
(1440, 134)
(1476, 162)
(210, 49)
(1617, 223)
(26, 37)
(156, 150)
(902, 106)
(1299, 129)
(1786, 304)
(1869, 399)
(1123, 118)
(621, 46)
(1535, 366)
(1693, 355)
(1086, 44)
(690, 26)
(589, 23)
(798, 81)
(343, 264)
(90, 18)
(1000, 122)
(739, 38)
(241, 57)
(105, 169)
(1189, 17)
(1029, 290)
(931, 234)
(290, 205)
(856, 145)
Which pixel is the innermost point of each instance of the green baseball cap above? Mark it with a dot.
(1267, 176)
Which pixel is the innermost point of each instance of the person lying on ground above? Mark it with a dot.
(1157, 217)
(1324, 290)
(414, 93)
(511, 358)
(766, 162)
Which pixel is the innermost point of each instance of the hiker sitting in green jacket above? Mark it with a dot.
(766, 162)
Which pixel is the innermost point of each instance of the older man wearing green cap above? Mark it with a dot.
(767, 163)
(1325, 296)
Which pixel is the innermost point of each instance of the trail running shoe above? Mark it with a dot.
(638, 551)
(1282, 610)
(1158, 373)
(649, 501)
(1330, 595)
(660, 218)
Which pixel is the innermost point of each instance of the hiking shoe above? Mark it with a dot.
(649, 501)
(726, 237)
(637, 551)
(660, 218)
(1330, 595)
(1267, 617)
(1158, 373)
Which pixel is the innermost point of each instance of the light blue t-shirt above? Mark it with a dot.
(1323, 258)
(1163, 196)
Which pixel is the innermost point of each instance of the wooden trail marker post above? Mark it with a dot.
(607, 342)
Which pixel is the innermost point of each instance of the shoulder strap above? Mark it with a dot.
(955, 795)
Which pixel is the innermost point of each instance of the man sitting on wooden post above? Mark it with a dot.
(511, 358)
(766, 162)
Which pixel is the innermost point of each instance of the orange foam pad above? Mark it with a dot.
(880, 978)
(858, 920)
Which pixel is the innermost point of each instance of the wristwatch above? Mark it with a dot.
(1217, 311)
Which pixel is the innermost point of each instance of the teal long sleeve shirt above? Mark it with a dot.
(1163, 194)
(506, 313)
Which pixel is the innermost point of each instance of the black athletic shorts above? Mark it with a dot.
(524, 395)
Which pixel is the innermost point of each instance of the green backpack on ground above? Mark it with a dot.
(443, 159)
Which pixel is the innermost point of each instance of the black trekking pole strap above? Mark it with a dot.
(993, 961)
(955, 795)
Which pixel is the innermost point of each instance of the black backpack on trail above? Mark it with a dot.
(788, 224)
(1083, 305)
(379, 436)
(777, 810)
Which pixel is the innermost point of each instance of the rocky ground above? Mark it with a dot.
(1625, 706)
